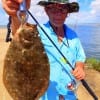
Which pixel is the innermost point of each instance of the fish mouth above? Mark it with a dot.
(26, 43)
(26, 40)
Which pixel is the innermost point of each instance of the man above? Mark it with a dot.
(62, 78)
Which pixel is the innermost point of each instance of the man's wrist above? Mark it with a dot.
(80, 64)
(15, 23)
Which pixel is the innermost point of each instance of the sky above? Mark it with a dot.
(89, 13)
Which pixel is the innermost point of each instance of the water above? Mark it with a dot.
(90, 37)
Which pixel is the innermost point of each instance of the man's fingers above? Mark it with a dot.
(18, 1)
(11, 7)
(28, 2)
(78, 74)
(75, 71)
(9, 10)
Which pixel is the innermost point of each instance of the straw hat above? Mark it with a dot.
(72, 7)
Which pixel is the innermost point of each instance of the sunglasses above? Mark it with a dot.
(55, 8)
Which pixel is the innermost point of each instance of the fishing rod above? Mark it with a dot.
(84, 83)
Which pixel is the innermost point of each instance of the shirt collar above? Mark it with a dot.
(51, 29)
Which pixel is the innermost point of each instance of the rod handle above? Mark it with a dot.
(89, 89)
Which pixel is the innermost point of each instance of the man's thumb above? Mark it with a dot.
(20, 1)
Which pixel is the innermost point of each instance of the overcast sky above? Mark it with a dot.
(89, 13)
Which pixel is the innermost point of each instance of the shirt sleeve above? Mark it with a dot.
(80, 54)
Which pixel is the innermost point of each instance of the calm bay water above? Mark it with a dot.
(90, 38)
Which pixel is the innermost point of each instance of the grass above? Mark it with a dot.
(93, 63)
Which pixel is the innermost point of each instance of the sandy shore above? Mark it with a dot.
(3, 48)
(82, 93)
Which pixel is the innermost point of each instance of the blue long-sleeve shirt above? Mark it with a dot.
(60, 71)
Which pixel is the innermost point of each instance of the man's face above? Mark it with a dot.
(56, 13)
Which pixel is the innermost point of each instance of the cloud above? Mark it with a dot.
(88, 16)
(38, 12)
(94, 14)
(95, 6)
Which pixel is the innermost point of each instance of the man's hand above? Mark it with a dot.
(12, 6)
(79, 71)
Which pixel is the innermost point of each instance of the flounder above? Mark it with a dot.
(26, 67)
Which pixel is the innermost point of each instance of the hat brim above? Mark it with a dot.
(72, 7)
